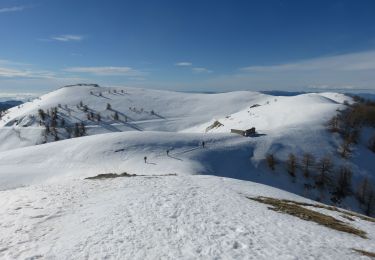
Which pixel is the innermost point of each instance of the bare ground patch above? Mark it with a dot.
(365, 253)
(124, 174)
(297, 209)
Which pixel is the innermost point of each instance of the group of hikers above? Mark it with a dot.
(202, 143)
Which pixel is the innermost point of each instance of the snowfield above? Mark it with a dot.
(181, 203)
(170, 217)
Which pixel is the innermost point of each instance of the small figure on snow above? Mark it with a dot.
(145, 158)
(203, 144)
(167, 152)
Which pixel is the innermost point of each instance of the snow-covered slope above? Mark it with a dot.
(170, 210)
(138, 110)
(179, 123)
(170, 217)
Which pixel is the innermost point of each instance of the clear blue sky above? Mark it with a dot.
(209, 45)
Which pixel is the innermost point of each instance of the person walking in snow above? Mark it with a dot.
(145, 158)
(167, 152)
(203, 144)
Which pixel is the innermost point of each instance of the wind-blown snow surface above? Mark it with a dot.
(170, 217)
(48, 210)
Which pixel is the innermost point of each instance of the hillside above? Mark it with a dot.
(178, 203)
(150, 122)
(170, 217)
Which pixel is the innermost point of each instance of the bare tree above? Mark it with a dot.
(291, 164)
(271, 161)
(115, 116)
(371, 143)
(325, 167)
(307, 161)
(366, 195)
(344, 182)
(42, 114)
(333, 124)
(344, 149)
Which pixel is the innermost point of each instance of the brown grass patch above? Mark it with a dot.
(110, 176)
(332, 208)
(295, 209)
(365, 253)
(124, 174)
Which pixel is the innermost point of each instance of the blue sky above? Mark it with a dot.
(195, 45)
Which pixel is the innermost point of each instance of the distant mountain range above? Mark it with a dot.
(4, 105)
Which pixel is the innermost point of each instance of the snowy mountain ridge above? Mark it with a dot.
(166, 206)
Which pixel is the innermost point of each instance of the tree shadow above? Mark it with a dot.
(102, 96)
(257, 135)
(159, 116)
(109, 127)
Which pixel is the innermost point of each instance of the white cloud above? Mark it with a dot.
(106, 71)
(354, 71)
(12, 9)
(184, 64)
(346, 62)
(24, 73)
(68, 38)
(201, 70)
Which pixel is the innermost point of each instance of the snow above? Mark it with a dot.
(173, 209)
(170, 217)
(285, 124)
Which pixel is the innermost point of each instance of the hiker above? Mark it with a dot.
(167, 152)
(145, 159)
(203, 144)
